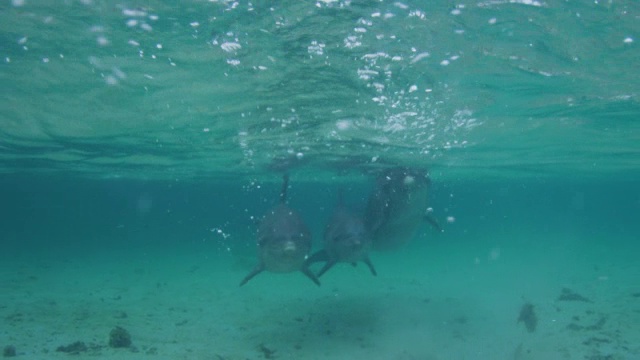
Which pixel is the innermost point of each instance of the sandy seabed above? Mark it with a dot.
(431, 300)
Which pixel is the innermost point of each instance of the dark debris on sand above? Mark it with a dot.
(266, 352)
(74, 348)
(119, 337)
(528, 317)
(569, 295)
(9, 351)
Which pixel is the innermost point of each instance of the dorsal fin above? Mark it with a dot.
(341, 197)
(285, 185)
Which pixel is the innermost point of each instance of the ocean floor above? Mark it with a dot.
(436, 299)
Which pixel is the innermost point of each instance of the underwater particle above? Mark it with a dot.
(316, 48)
(102, 41)
(528, 317)
(119, 337)
(413, 88)
(451, 219)
(133, 12)
(230, 46)
(111, 80)
(343, 124)
(17, 3)
(628, 40)
(9, 351)
(492, 21)
(420, 57)
(445, 62)
(299, 155)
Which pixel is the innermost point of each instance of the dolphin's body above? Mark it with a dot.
(284, 241)
(345, 240)
(397, 206)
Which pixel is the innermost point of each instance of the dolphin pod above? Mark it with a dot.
(395, 209)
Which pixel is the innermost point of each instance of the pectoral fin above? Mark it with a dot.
(433, 222)
(318, 256)
(256, 270)
(328, 265)
(310, 275)
(367, 261)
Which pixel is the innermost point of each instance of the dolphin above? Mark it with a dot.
(284, 241)
(345, 240)
(397, 206)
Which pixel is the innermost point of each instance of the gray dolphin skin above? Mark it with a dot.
(345, 240)
(397, 207)
(284, 241)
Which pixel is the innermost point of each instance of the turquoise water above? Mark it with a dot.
(142, 141)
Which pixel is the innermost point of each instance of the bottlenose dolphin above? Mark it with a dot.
(284, 241)
(345, 240)
(397, 206)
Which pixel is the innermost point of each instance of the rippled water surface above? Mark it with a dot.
(142, 141)
(208, 89)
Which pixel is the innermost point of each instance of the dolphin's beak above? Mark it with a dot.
(289, 247)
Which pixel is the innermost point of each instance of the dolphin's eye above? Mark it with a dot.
(341, 238)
